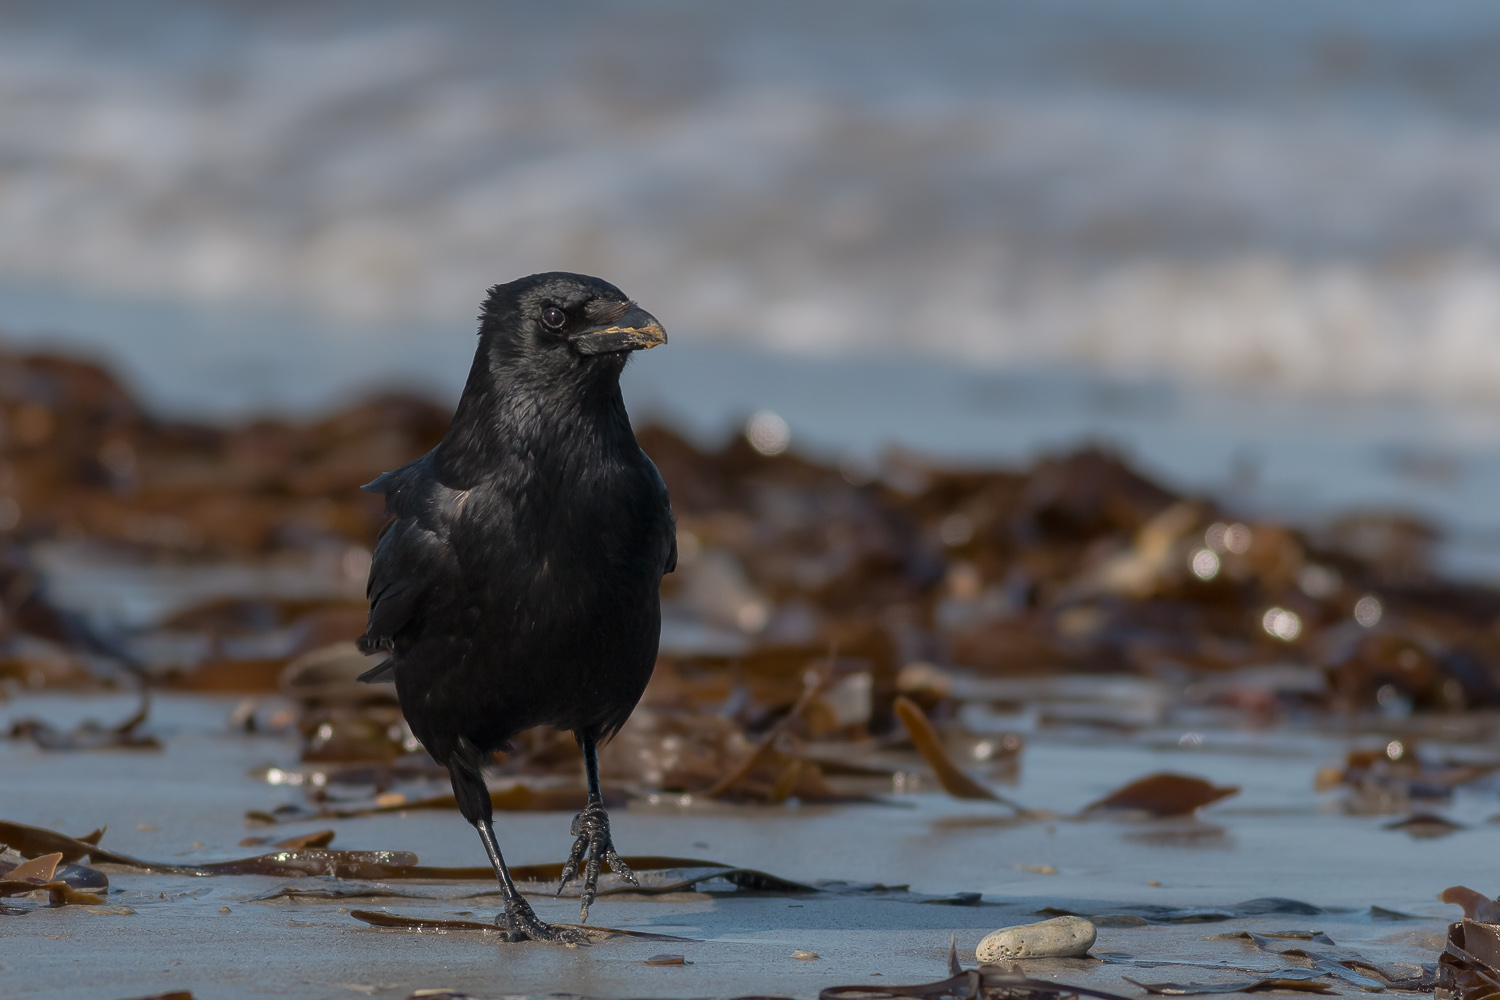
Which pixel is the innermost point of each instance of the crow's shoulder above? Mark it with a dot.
(408, 490)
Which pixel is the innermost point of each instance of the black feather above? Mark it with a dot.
(516, 582)
(384, 671)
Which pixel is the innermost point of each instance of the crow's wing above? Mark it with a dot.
(412, 558)
(669, 556)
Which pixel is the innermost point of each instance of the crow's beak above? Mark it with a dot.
(634, 331)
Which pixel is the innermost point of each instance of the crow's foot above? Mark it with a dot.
(522, 924)
(591, 827)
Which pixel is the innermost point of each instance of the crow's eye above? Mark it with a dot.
(554, 317)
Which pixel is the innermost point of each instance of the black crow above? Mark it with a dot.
(516, 582)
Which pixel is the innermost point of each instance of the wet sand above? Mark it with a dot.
(1278, 838)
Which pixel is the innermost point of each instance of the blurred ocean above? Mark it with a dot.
(1256, 244)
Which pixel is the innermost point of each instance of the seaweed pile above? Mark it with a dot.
(811, 599)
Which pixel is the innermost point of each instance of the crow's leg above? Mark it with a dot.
(465, 769)
(591, 827)
(521, 922)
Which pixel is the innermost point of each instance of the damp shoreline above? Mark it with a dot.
(1278, 839)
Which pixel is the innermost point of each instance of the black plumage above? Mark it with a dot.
(516, 582)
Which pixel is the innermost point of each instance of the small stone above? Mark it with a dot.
(1059, 937)
(805, 956)
(223, 909)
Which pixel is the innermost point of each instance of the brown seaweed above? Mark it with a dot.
(1297, 980)
(77, 876)
(1345, 965)
(775, 769)
(334, 890)
(665, 876)
(1399, 778)
(313, 861)
(90, 734)
(987, 982)
(35, 869)
(1477, 906)
(950, 778)
(34, 841)
(379, 918)
(1425, 826)
(1317, 936)
(387, 865)
(1481, 941)
(41, 874)
(1469, 967)
(1167, 914)
(1163, 795)
(320, 838)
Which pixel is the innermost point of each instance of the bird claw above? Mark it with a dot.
(522, 924)
(591, 827)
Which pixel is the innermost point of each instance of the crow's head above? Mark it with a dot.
(557, 322)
